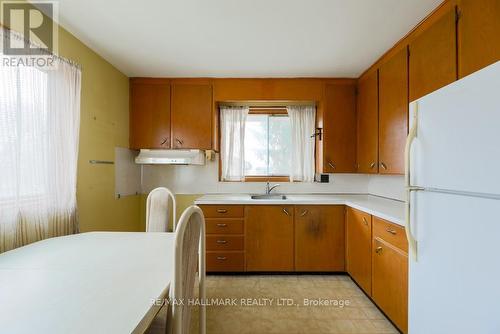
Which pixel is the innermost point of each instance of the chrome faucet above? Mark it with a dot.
(269, 189)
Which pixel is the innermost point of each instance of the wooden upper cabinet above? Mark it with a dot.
(478, 34)
(339, 128)
(319, 238)
(149, 114)
(393, 113)
(269, 238)
(192, 116)
(432, 59)
(367, 119)
(359, 248)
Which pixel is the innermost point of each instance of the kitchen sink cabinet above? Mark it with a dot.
(319, 238)
(149, 114)
(390, 271)
(359, 248)
(269, 237)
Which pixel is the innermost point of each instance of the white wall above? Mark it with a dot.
(204, 180)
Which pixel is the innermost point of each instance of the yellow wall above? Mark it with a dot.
(104, 124)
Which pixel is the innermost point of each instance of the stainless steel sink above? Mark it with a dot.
(269, 197)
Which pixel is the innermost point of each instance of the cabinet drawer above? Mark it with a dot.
(223, 211)
(224, 226)
(225, 261)
(224, 242)
(391, 233)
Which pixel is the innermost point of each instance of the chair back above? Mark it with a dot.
(157, 210)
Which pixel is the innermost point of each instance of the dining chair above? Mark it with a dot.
(157, 210)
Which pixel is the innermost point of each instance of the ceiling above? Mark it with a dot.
(242, 38)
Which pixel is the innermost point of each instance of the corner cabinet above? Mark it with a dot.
(339, 128)
(149, 113)
(319, 238)
(367, 118)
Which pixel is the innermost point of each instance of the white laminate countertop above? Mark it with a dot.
(388, 209)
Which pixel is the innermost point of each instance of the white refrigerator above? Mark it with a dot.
(453, 207)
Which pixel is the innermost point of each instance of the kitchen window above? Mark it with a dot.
(267, 145)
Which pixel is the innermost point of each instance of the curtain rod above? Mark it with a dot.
(267, 103)
(8, 33)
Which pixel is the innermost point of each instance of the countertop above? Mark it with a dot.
(388, 209)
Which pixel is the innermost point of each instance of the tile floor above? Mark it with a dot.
(357, 315)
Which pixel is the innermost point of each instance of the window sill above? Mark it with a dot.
(267, 178)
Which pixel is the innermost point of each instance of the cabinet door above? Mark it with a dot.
(149, 115)
(319, 238)
(433, 61)
(478, 35)
(390, 282)
(367, 103)
(393, 113)
(339, 129)
(269, 238)
(359, 248)
(192, 116)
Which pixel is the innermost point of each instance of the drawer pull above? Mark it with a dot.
(378, 250)
(303, 213)
(365, 221)
(393, 232)
(286, 212)
(221, 211)
(221, 258)
(221, 225)
(221, 242)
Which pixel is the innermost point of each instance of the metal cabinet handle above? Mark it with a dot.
(378, 250)
(221, 258)
(180, 142)
(221, 225)
(384, 166)
(286, 212)
(412, 243)
(372, 165)
(221, 242)
(393, 232)
(303, 213)
(365, 221)
(164, 141)
(221, 211)
(331, 164)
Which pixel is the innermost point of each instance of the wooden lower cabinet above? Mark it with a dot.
(359, 248)
(390, 278)
(319, 238)
(269, 238)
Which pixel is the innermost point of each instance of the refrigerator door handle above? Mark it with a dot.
(412, 243)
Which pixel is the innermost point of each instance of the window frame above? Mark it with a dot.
(277, 111)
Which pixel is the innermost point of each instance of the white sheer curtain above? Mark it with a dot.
(303, 125)
(232, 142)
(39, 127)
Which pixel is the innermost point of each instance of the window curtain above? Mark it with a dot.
(303, 125)
(232, 142)
(39, 128)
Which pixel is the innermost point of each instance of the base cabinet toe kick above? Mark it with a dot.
(313, 238)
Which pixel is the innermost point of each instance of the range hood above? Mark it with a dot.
(171, 157)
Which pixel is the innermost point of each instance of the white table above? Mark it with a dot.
(98, 282)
